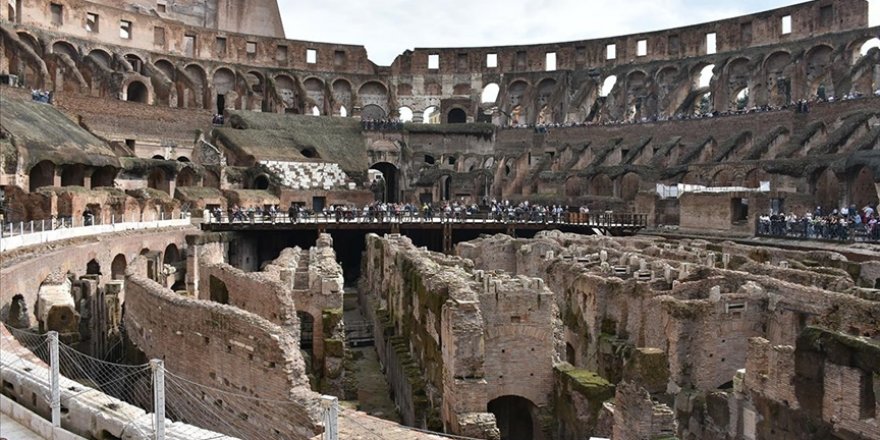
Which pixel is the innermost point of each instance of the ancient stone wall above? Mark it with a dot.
(476, 336)
(228, 348)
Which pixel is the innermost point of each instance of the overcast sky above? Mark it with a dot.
(389, 27)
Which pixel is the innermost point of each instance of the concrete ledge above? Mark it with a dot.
(30, 420)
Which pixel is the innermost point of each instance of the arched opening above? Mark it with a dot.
(183, 159)
(42, 174)
(456, 116)
(372, 112)
(513, 416)
(309, 152)
(171, 254)
(342, 95)
(703, 104)
(570, 356)
(72, 175)
(862, 189)
(388, 191)
(490, 93)
(343, 112)
(286, 91)
(873, 43)
(601, 185)
(704, 78)
(405, 114)
(93, 267)
(261, 182)
(431, 115)
(445, 188)
(316, 111)
(741, 100)
(607, 86)
(137, 92)
(827, 190)
(103, 177)
(218, 291)
(117, 267)
(158, 180)
(137, 64)
(186, 177)
(224, 82)
(430, 159)
(629, 186)
(158, 157)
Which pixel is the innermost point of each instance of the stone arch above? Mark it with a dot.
(608, 85)
(193, 90)
(818, 61)
(490, 93)
(171, 255)
(93, 267)
(575, 187)
(40, 175)
(862, 188)
(516, 92)
(431, 115)
(373, 111)
(636, 94)
(777, 82)
(73, 175)
(342, 93)
(101, 57)
(158, 179)
(373, 93)
(456, 116)
(723, 177)
(104, 176)
(391, 175)
(186, 177)
(405, 114)
(314, 88)
(261, 182)
(31, 40)
(515, 417)
(166, 67)
(601, 185)
(136, 62)
(223, 83)
(67, 48)
(826, 189)
(137, 91)
(629, 186)
(211, 179)
(117, 267)
(286, 90)
(860, 47)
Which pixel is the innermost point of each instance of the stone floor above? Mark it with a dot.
(12, 430)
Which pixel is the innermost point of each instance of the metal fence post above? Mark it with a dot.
(55, 379)
(158, 368)
(330, 405)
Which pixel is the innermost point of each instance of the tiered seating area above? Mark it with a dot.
(310, 175)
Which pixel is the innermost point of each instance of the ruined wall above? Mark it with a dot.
(21, 274)
(496, 330)
(231, 349)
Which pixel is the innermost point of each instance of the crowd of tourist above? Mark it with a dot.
(43, 96)
(499, 211)
(381, 124)
(844, 224)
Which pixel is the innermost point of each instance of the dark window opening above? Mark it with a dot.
(219, 293)
(281, 54)
(261, 182)
(130, 144)
(339, 58)
(429, 159)
(91, 22)
(56, 11)
(456, 116)
(739, 210)
(867, 396)
(137, 92)
(826, 16)
(220, 46)
(309, 152)
(221, 104)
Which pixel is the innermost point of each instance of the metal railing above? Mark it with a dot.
(14, 235)
(819, 231)
(607, 219)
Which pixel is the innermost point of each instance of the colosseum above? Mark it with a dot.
(210, 231)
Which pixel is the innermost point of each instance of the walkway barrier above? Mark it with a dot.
(606, 219)
(818, 231)
(16, 235)
(170, 406)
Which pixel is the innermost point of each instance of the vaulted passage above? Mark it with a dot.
(513, 415)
